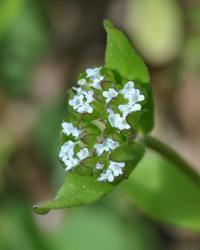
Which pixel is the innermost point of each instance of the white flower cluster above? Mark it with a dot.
(68, 156)
(95, 76)
(133, 96)
(82, 102)
(115, 168)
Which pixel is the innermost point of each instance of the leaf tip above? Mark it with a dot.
(41, 210)
(107, 24)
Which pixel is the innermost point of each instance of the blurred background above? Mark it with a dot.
(43, 46)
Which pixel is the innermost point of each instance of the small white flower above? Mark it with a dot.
(67, 155)
(85, 108)
(110, 94)
(108, 176)
(135, 97)
(116, 121)
(95, 76)
(79, 104)
(99, 166)
(96, 84)
(82, 82)
(76, 101)
(78, 90)
(126, 109)
(102, 177)
(69, 129)
(83, 153)
(89, 95)
(99, 149)
(114, 170)
(128, 87)
(70, 163)
(107, 145)
(67, 148)
(116, 167)
(140, 97)
(132, 94)
(111, 144)
(93, 73)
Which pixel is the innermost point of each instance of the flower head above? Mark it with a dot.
(100, 108)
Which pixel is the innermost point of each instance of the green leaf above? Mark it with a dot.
(122, 58)
(165, 193)
(76, 190)
(83, 189)
(130, 153)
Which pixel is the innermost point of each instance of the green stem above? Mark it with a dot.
(172, 156)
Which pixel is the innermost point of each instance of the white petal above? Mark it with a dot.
(107, 145)
(136, 107)
(126, 109)
(93, 73)
(78, 90)
(76, 132)
(83, 153)
(110, 176)
(111, 143)
(110, 94)
(117, 121)
(85, 108)
(76, 101)
(69, 129)
(70, 163)
(116, 167)
(89, 95)
(99, 149)
(96, 84)
(128, 87)
(68, 147)
(141, 98)
(82, 82)
(103, 177)
(99, 166)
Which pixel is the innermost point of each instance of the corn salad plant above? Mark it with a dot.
(109, 116)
